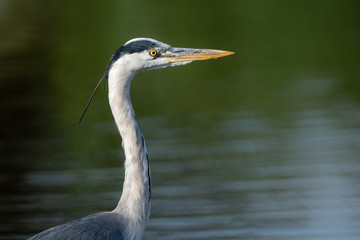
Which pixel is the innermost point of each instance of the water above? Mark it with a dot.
(293, 183)
(300, 182)
(264, 144)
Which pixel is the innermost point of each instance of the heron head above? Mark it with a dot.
(142, 54)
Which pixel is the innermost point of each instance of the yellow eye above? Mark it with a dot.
(153, 53)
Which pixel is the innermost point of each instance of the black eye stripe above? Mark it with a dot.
(135, 47)
(138, 46)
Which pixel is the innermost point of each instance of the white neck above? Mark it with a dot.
(134, 204)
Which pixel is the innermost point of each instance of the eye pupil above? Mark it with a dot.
(153, 53)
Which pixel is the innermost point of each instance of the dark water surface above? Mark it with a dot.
(264, 144)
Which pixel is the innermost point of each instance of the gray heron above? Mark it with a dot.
(128, 220)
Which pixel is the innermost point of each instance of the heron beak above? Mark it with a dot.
(191, 54)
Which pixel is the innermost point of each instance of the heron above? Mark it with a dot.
(129, 218)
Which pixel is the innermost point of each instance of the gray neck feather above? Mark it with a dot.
(134, 204)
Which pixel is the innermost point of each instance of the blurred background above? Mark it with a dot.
(263, 144)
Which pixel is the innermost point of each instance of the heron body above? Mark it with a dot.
(128, 220)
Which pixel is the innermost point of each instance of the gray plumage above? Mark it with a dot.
(98, 226)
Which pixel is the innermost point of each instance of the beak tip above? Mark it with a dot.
(222, 53)
(228, 53)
